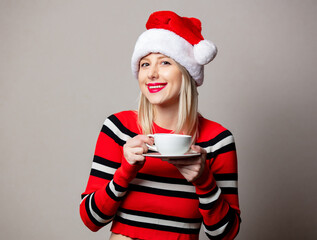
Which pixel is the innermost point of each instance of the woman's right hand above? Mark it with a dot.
(135, 147)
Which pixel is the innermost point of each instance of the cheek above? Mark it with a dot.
(142, 86)
(174, 75)
(142, 74)
(141, 78)
(178, 80)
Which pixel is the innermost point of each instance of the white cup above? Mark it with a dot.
(170, 144)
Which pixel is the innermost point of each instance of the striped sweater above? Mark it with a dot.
(156, 202)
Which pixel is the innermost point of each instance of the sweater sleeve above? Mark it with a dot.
(217, 188)
(109, 177)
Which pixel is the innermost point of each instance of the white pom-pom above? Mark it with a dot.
(204, 52)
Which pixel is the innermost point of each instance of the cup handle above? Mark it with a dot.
(152, 148)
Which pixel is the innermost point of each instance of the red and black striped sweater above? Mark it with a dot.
(157, 202)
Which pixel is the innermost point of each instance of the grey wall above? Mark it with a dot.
(65, 66)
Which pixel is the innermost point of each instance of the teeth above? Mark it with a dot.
(158, 86)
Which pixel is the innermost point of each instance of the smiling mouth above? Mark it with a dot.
(156, 87)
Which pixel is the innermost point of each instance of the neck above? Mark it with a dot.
(166, 117)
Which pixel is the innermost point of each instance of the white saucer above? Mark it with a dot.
(182, 156)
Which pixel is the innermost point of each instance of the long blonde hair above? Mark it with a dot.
(187, 111)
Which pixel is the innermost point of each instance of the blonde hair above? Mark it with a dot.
(187, 111)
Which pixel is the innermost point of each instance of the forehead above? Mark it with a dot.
(155, 56)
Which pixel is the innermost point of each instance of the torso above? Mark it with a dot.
(152, 192)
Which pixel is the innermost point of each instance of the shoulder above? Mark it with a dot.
(209, 129)
(125, 121)
(215, 138)
(126, 116)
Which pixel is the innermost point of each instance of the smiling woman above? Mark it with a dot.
(160, 80)
(182, 114)
(143, 196)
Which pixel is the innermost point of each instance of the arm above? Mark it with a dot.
(217, 189)
(214, 175)
(110, 175)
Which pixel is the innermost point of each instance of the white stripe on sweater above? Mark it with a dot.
(103, 168)
(94, 214)
(114, 191)
(116, 130)
(224, 142)
(210, 199)
(227, 184)
(165, 186)
(148, 183)
(217, 231)
(157, 221)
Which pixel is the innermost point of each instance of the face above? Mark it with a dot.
(160, 80)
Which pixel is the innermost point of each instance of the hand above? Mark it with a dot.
(191, 168)
(135, 147)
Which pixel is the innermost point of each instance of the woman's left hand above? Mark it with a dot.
(191, 168)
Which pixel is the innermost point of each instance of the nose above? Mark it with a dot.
(153, 72)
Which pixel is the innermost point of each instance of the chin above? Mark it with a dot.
(155, 102)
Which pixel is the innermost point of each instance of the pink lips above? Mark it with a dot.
(156, 87)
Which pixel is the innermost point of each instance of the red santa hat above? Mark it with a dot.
(178, 38)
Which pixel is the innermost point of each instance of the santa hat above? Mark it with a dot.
(178, 38)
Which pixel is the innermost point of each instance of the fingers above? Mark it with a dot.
(133, 155)
(139, 140)
(189, 174)
(135, 147)
(137, 151)
(191, 168)
(198, 149)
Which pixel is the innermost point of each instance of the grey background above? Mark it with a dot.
(65, 66)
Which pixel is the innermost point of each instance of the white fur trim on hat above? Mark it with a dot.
(204, 52)
(173, 46)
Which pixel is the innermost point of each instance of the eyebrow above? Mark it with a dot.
(160, 57)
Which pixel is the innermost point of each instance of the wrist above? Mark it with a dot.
(205, 182)
(126, 173)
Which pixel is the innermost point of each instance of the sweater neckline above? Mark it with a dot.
(158, 129)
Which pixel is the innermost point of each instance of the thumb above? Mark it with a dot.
(198, 149)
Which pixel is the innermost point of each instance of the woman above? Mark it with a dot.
(152, 198)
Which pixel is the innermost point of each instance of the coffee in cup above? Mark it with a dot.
(170, 144)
